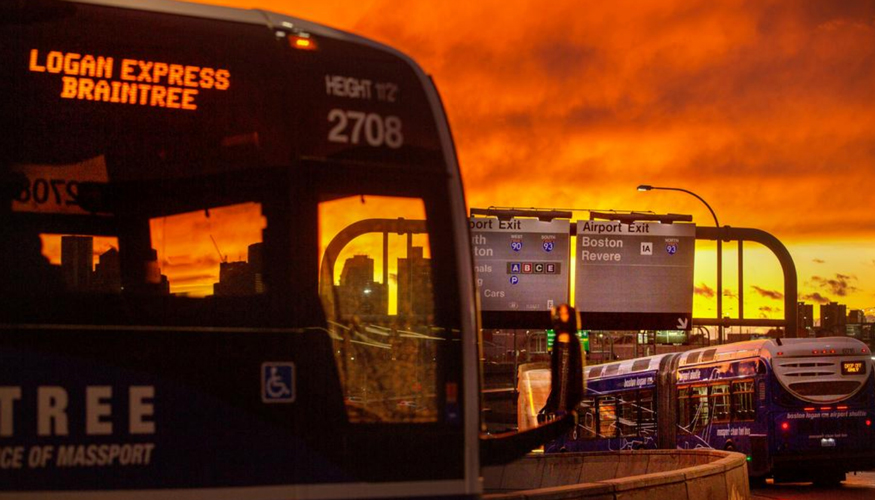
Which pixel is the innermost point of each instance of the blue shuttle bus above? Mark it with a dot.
(801, 409)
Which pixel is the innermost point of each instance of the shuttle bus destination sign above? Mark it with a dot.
(635, 276)
(521, 264)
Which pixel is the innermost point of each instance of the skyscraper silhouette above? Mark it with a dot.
(77, 260)
(358, 292)
(414, 284)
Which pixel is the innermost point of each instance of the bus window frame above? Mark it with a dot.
(712, 397)
(600, 420)
(684, 400)
(331, 179)
(588, 409)
(649, 424)
(624, 401)
(701, 423)
(751, 412)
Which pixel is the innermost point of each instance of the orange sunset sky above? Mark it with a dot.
(765, 109)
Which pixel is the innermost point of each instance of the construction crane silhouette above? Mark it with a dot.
(222, 258)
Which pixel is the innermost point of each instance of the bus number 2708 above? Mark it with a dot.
(349, 127)
(57, 191)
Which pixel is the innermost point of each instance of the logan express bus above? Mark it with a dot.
(801, 409)
(234, 262)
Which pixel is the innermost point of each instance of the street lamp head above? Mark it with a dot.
(644, 187)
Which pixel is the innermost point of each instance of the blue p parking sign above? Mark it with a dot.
(278, 382)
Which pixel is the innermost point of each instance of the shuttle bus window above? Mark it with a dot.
(588, 416)
(648, 413)
(607, 416)
(743, 407)
(376, 290)
(701, 410)
(720, 402)
(628, 414)
(685, 410)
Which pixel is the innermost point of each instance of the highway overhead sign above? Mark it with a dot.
(636, 276)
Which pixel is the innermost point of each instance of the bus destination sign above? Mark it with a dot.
(88, 77)
(853, 367)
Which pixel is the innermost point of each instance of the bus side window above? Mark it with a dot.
(720, 402)
(588, 418)
(628, 414)
(648, 415)
(702, 414)
(607, 416)
(684, 407)
(743, 407)
(212, 252)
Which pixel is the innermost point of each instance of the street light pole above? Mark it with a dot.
(645, 187)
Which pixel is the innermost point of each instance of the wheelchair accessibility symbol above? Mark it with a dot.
(278, 382)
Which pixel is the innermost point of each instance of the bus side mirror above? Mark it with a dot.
(566, 376)
(566, 364)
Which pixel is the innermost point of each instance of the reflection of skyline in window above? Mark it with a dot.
(52, 247)
(87, 264)
(360, 291)
(192, 265)
(187, 254)
(336, 215)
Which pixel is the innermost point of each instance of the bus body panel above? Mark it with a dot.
(667, 428)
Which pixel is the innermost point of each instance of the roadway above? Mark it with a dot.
(856, 487)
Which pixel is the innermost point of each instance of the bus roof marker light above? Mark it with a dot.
(302, 41)
(809, 408)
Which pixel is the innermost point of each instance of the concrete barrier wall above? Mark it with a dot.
(672, 474)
